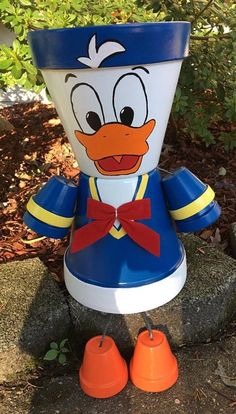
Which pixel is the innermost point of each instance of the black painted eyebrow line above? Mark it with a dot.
(69, 75)
(141, 67)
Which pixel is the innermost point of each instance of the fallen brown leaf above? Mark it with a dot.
(205, 234)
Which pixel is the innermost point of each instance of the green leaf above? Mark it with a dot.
(26, 2)
(54, 345)
(63, 342)
(51, 355)
(178, 93)
(30, 68)
(16, 72)
(38, 88)
(28, 85)
(10, 9)
(5, 64)
(22, 79)
(64, 349)
(7, 50)
(220, 90)
(18, 29)
(62, 359)
(18, 64)
(16, 46)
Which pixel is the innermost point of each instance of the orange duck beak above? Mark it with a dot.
(117, 149)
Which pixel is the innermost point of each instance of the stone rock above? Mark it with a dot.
(197, 314)
(232, 236)
(34, 312)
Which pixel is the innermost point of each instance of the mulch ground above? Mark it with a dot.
(37, 148)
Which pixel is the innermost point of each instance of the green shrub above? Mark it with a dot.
(205, 100)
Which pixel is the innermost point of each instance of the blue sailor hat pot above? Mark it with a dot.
(113, 88)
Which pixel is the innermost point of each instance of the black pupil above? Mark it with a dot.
(127, 115)
(93, 120)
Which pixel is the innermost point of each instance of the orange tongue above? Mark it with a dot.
(118, 158)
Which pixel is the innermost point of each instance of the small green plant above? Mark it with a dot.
(57, 352)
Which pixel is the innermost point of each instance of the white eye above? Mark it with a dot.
(87, 108)
(130, 100)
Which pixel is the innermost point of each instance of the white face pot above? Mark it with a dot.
(113, 88)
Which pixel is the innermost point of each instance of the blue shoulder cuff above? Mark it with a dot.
(190, 202)
(50, 212)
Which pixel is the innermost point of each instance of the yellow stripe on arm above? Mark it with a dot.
(195, 206)
(46, 216)
(93, 188)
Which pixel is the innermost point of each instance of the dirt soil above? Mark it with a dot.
(38, 148)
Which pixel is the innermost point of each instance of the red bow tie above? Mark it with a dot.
(104, 217)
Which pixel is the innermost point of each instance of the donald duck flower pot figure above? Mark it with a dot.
(113, 88)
